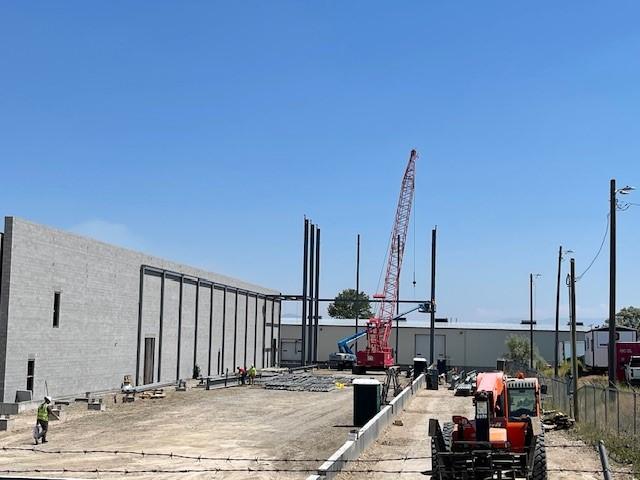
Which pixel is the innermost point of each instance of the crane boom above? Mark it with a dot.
(377, 354)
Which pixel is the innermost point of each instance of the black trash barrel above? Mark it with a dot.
(366, 400)
(432, 379)
(419, 366)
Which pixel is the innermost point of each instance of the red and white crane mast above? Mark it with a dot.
(378, 353)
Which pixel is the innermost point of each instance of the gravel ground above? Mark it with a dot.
(246, 422)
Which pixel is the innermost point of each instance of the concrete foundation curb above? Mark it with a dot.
(368, 434)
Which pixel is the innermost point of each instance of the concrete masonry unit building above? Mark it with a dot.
(76, 315)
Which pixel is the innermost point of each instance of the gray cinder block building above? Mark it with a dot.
(76, 315)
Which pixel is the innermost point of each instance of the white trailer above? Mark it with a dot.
(596, 356)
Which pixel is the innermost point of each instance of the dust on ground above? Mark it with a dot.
(238, 422)
(406, 447)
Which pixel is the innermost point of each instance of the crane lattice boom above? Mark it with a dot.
(378, 352)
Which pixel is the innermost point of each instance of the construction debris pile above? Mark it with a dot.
(555, 420)
(305, 382)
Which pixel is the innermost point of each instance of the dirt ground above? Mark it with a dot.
(407, 443)
(238, 422)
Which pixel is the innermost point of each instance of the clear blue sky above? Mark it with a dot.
(204, 131)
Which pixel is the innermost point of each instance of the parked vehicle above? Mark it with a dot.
(632, 371)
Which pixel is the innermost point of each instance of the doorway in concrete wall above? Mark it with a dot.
(149, 356)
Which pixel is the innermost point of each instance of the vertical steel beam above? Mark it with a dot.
(273, 352)
(316, 310)
(255, 334)
(195, 330)
(246, 327)
(357, 304)
(305, 257)
(235, 331)
(264, 330)
(531, 321)
(278, 350)
(161, 326)
(224, 324)
(433, 296)
(179, 328)
(210, 330)
(312, 239)
(140, 298)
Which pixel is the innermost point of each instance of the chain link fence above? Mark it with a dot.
(610, 410)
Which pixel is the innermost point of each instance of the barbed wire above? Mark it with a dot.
(229, 459)
(126, 471)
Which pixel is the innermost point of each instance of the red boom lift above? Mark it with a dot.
(378, 354)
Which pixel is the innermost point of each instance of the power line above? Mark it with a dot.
(604, 238)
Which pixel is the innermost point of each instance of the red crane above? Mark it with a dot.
(378, 354)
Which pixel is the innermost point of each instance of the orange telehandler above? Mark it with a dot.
(505, 440)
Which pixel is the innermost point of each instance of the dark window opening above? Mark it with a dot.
(31, 365)
(56, 309)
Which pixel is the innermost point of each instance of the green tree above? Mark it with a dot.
(628, 317)
(519, 352)
(345, 305)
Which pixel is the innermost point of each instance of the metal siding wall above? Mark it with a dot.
(202, 357)
(170, 329)
(251, 334)
(216, 337)
(150, 321)
(187, 335)
(96, 343)
(260, 338)
(242, 299)
(228, 333)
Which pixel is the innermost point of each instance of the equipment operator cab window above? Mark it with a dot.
(522, 401)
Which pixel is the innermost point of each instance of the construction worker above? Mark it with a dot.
(242, 373)
(252, 375)
(44, 410)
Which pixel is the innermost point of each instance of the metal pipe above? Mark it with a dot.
(433, 296)
(555, 363)
(612, 284)
(140, 297)
(161, 326)
(316, 310)
(312, 241)
(604, 461)
(305, 258)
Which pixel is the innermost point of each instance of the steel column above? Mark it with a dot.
(305, 256)
(312, 240)
(195, 332)
(224, 324)
(235, 331)
(433, 296)
(161, 326)
(140, 297)
(246, 327)
(316, 310)
(179, 328)
(210, 331)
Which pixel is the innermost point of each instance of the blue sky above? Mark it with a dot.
(204, 131)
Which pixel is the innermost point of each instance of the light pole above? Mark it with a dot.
(560, 258)
(612, 276)
(531, 320)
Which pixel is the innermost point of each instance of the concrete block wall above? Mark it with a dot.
(96, 343)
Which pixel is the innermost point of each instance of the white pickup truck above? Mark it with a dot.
(632, 371)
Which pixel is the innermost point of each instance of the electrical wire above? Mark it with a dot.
(604, 238)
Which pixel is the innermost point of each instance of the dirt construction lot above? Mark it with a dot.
(411, 441)
(238, 422)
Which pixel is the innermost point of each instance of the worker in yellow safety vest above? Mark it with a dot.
(44, 410)
(252, 375)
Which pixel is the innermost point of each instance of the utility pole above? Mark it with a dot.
(574, 352)
(531, 320)
(433, 297)
(612, 284)
(555, 363)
